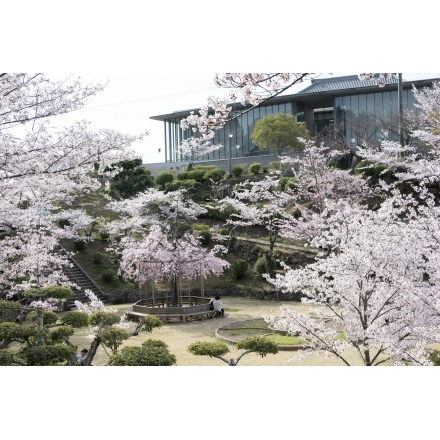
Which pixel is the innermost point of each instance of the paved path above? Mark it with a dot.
(179, 335)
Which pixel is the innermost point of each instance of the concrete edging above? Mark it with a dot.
(232, 341)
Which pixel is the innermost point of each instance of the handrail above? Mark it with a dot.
(83, 271)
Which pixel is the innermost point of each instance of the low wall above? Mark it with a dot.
(162, 306)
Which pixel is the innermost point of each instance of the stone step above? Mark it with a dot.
(76, 275)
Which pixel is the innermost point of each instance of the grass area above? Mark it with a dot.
(259, 328)
(280, 240)
(285, 340)
(86, 258)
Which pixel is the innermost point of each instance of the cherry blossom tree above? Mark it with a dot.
(377, 294)
(259, 204)
(158, 242)
(195, 148)
(317, 179)
(414, 163)
(297, 212)
(41, 170)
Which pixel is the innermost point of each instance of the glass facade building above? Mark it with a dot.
(356, 111)
(370, 117)
(240, 128)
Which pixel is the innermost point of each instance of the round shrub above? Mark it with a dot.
(151, 353)
(98, 258)
(162, 178)
(205, 238)
(286, 183)
(237, 171)
(239, 268)
(260, 265)
(108, 275)
(172, 186)
(216, 174)
(275, 165)
(182, 176)
(79, 245)
(197, 175)
(255, 168)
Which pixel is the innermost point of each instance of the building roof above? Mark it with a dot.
(321, 91)
(341, 83)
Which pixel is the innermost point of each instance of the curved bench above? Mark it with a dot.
(197, 308)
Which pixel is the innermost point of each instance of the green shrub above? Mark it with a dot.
(182, 176)
(435, 358)
(260, 266)
(178, 184)
(237, 171)
(4, 234)
(79, 245)
(221, 215)
(49, 317)
(172, 186)
(205, 238)
(162, 178)
(9, 310)
(200, 227)
(98, 257)
(369, 168)
(197, 175)
(104, 236)
(286, 183)
(205, 168)
(275, 165)
(47, 355)
(108, 275)
(216, 174)
(62, 223)
(255, 168)
(75, 319)
(239, 268)
(151, 353)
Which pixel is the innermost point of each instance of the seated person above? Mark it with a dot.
(218, 307)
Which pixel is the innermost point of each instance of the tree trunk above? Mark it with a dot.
(92, 352)
(174, 291)
(267, 263)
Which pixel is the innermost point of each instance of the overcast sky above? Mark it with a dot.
(129, 100)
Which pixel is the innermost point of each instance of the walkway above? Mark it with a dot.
(179, 335)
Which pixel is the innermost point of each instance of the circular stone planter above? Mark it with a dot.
(222, 333)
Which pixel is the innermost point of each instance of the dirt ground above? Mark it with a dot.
(179, 335)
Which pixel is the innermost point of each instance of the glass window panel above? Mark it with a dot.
(362, 104)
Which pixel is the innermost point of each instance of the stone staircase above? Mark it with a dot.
(77, 275)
